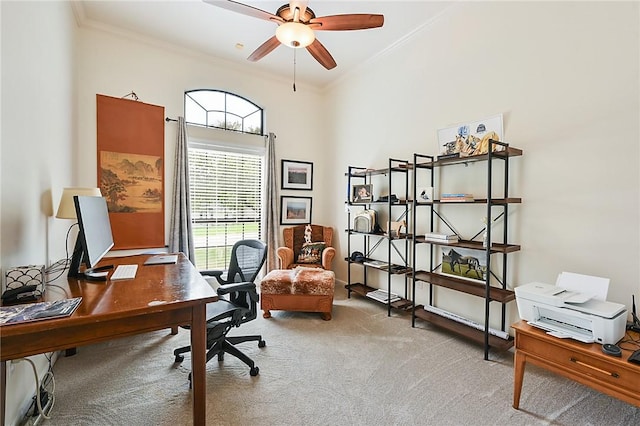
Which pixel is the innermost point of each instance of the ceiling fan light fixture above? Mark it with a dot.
(295, 34)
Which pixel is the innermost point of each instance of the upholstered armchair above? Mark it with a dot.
(319, 253)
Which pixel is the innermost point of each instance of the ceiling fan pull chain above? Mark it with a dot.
(294, 69)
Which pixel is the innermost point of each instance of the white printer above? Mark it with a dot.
(568, 314)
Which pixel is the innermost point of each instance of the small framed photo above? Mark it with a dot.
(362, 193)
(297, 175)
(295, 210)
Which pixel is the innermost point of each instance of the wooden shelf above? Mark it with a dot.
(475, 245)
(380, 234)
(362, 290)
(406, 271)
(382, 203)
(373, 172)
(509, 152)
(476, 289)
(461, 329)
(496, 201)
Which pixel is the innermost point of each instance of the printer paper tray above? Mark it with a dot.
(561, 331)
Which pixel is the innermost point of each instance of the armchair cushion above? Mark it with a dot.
(293, 252)
(311, 252)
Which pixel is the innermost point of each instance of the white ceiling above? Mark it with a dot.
(203, 28)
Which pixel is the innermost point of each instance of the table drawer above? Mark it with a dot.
(612, 371)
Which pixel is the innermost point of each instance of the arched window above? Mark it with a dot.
(223, 110)
(225, 173)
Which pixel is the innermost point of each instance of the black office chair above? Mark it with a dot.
(238, 304)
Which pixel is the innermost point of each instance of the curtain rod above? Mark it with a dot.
(167, 119)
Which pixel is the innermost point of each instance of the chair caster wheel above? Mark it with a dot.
(179, 358)
(254, 371)
(262, 344)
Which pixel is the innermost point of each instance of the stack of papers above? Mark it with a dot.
(383, 296)
(17, 314)
(441, 238)
(376, 264)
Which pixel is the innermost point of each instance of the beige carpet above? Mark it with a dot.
(360, 368)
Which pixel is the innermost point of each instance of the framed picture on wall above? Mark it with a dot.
(297, 175)
(295, 210)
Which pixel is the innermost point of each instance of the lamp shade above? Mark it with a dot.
(66, 208)
(295, 34)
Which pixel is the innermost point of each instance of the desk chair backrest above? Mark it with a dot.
(247, 258)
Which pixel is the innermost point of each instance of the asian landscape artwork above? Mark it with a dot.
(131, 183)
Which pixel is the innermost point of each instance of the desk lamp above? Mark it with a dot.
(66, 209)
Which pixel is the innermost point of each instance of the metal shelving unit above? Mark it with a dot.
(495, 287)
(400, 245)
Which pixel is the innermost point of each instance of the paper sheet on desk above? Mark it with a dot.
(588, 286)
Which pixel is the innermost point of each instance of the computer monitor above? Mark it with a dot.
(94, 237)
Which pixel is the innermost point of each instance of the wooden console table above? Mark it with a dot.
(583, 362)
(159, 297)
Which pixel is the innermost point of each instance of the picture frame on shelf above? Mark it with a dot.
(295, 210)
(297, 175)
(362, 193)
(464, 263)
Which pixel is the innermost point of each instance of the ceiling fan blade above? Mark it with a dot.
(356, 21)
(321, 54)
(264, 49)
(245, 9)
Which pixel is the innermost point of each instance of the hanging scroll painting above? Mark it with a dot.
(130, 148)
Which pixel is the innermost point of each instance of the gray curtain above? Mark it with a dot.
(271, 228)
(180, 235)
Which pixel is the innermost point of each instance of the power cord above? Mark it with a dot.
(48, 377)
(61, 265)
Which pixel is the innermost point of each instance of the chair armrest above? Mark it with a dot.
(216, 274)
(285, 255)
(327, 257)
(233, 287)
(212, 273)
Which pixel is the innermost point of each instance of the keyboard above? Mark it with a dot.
(124, 272)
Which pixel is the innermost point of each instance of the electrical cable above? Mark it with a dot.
(49, 373)
(63, 264)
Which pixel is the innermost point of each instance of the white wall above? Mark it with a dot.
(115, 65)
(566, 77)
(36, 150)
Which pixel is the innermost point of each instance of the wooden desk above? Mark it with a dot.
(160, 296)
(583, 362)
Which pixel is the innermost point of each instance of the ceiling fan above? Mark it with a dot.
(296, 26)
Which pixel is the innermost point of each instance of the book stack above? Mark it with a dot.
(456, 198)
(380, 264)
(441, 238)
(383, 296)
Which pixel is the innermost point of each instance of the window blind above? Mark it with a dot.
(226, 202)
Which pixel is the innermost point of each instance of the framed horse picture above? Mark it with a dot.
(464, 263)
